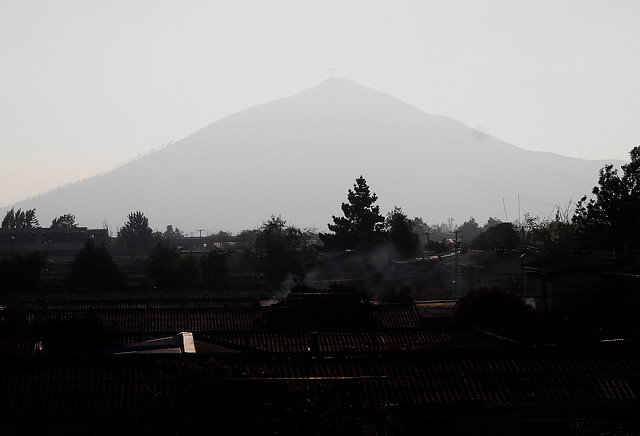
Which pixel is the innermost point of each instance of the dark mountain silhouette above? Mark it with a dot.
(297, 157)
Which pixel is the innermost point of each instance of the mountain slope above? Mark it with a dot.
(297, 157)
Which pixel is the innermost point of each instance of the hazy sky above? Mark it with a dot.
(86, 85)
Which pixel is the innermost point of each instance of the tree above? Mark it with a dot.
(166, 268)
(171, 233)
(400, 232)
(469, 229)
(279, 250)
(491, 222)
(136, 232)
(421, 229)
(17, 219)
(361, 226)
(550, 236)
(66, 221)
(503, 235)
(611, 219)
(94, 267)
(214, 270)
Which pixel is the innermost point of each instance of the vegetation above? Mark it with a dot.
(469, 230)
(172, 234)
(66, 221)
(94, 267)
(550, 236)
(362, 224)
(277, 251)
(17, 219)
(400, 232)
(609, 220)
(214, 269)
(166, 268)
(503, 235)
(136, 233)
(281, 250)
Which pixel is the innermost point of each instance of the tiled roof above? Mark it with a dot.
(335, 341)
(104, 304)
(166, 320)
(448, 377)
(593, 376)
(81, 383)
(396, 315)
(170, 311)
(128, 294)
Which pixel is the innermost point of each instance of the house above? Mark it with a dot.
(49, 241)
(572, 281)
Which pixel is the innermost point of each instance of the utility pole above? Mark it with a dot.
(423, 251)
(455, 268)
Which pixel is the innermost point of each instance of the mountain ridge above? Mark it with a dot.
(297, 156)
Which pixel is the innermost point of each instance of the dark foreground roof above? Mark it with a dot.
(331, 341)
(606, 376)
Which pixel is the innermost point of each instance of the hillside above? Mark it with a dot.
(297, 157)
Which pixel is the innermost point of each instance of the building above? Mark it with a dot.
(49, 241)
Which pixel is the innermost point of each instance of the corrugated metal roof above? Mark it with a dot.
(339, 340)
(396, 315)
(407, 379)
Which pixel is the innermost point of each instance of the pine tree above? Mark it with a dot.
(361, 227)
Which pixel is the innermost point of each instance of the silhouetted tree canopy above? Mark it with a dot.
(400, 232)
(469, 230)
(172, 233)
(17, 219)
(362, 224)
(550, 236)
(94, 267)
(611, 219)
(66, 221)
(279, 250)
(214, 270)
(492, 222)
(503, 235)
(136, 232)
(421, 229)
(166, 268)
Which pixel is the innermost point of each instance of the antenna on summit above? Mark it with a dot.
(332, 70)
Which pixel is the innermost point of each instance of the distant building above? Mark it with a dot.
(573, 281)
(49, 241)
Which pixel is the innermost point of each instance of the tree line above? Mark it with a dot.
(607, 221)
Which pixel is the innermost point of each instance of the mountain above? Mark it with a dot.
(297, 156)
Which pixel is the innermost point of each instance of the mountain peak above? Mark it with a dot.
(298, 155)
(338, 85)
(338, 81)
